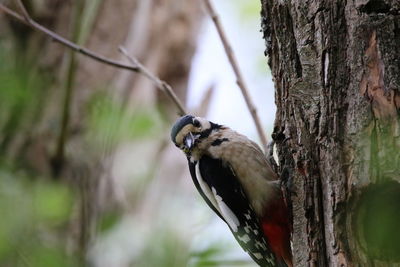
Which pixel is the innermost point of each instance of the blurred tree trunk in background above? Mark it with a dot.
(336, 68)
(48, 136)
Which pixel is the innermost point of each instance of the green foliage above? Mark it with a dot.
(108, 221)
(48, 257)
(32, 211)
(377, 218)
(110, 122)
(51, 203)
(249, 9)
(217, 254)
(21, 89)
(207, 256)
(165, 248)
(18, 83)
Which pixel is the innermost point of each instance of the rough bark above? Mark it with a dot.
(336, 68)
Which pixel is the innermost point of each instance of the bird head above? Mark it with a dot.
(189, 130)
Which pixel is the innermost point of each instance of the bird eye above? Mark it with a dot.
(196, 123)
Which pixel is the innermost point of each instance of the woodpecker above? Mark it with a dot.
(235, 179)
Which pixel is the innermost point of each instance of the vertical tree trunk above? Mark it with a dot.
(336, 68)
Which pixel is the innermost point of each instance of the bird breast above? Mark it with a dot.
(249, 165)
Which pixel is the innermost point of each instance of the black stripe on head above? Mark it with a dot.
(179, 124)
(206, 133)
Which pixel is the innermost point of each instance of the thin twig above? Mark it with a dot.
(26, 19)
(59, 157)
(235, 66)
(160, 84)
(24, 11)
(135, 65)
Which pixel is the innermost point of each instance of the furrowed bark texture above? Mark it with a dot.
(336, 68)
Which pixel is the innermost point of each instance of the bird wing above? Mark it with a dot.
(202, 188)
(223, 191)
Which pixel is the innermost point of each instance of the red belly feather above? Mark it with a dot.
(276, 227)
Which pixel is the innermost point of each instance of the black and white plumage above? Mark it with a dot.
(234, 178)
(231, 205)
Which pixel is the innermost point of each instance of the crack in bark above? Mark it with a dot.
(375, 6)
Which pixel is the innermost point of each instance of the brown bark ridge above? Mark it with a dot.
(336, 69)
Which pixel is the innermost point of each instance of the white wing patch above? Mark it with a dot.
(206, 189)
(245, 238)
(260, 245)
(218, 202)
(247, 234)
(226, 212)
(258, 255)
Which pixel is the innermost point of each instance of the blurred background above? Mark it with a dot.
(88, 175)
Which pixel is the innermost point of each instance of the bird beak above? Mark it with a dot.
(189, 141)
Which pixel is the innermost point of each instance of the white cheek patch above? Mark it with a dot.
(205, 124)
(226, 212)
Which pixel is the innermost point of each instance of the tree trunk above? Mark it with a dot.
(336, 68)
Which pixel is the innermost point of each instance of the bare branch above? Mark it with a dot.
(160, 84)
(26, 19)
(24, 11)
(135, 65)
(235, 66)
